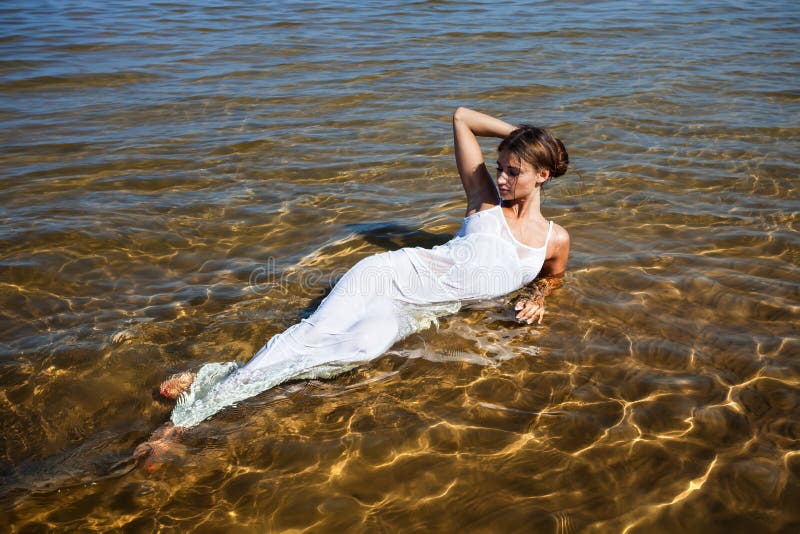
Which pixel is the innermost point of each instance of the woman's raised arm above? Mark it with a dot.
(467, 126)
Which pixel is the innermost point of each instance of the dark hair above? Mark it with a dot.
(538, 147)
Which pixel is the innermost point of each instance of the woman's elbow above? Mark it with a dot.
(459, 113)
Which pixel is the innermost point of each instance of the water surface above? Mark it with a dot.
(181, 181)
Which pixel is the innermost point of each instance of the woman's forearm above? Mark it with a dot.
(531, 307)
(481, 124)
(545, 285)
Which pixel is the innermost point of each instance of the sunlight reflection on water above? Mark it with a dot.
(165, 164)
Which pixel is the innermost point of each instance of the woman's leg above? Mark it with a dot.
(358, 321)
(338, 328)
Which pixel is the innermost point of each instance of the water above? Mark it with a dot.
(181, 181)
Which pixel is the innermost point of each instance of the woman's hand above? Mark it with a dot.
(530, 309)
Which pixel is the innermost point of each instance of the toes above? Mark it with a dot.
(152, 466)
(173, 386)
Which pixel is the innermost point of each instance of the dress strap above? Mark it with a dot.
(547, 239)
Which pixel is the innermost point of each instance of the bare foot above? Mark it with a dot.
(154, 452)
(173, 386)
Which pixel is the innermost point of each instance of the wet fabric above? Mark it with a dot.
(380, 300)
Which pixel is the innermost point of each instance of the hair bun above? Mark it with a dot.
(538, 147)
(562, 159)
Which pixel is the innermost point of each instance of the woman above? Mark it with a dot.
(504, 243)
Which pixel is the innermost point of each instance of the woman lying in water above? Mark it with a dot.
(503, 245)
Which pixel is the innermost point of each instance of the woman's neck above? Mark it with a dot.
(527, 207)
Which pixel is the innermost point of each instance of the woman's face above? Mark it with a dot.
(516, 178)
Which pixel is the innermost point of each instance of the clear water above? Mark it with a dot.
(181, 181)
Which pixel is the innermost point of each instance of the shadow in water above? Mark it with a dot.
(388, 236)
(391, 236)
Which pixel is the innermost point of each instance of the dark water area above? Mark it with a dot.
(182, 181)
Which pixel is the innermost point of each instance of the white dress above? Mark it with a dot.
(380, 300)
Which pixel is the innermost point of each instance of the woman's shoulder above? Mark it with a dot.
(560, 236)
(559, 241)
(557, 252)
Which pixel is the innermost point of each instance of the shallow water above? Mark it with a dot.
(181, 182)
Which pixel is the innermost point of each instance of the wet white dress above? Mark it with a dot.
(380, 300)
